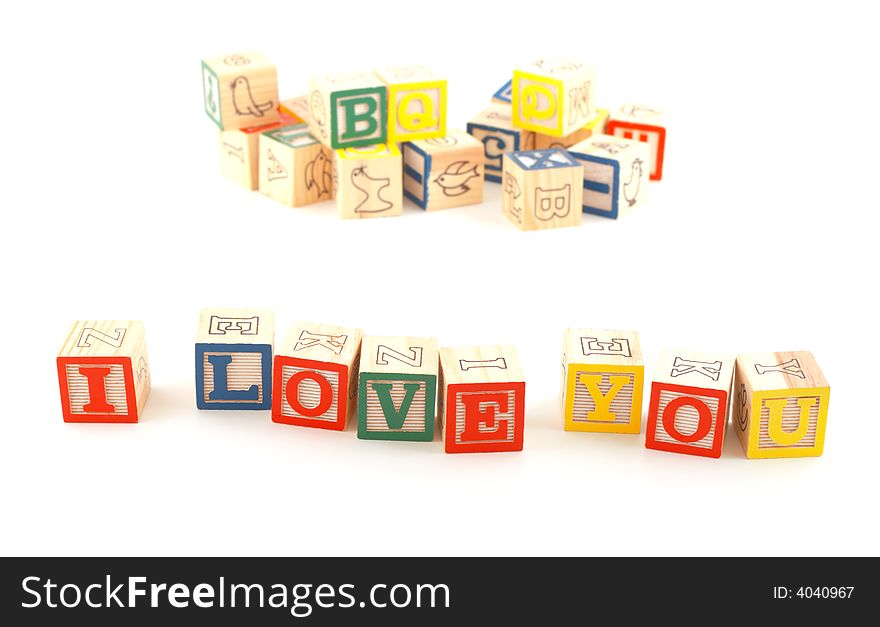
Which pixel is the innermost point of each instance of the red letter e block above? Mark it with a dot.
(103, 373)
(314, 379)
(689, 397)
(482, 399)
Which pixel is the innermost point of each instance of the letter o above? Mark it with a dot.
(703, 427)
(291, 393)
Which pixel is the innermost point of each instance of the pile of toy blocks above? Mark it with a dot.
(369, 139)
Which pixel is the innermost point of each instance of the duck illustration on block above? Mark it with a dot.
(319, 175)
(632, 186)
(454, 179)
(371, 188)
(243, 100)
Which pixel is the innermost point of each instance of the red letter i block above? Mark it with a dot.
(689, 397)
(103, 372)
(482, 399)
(315, 376)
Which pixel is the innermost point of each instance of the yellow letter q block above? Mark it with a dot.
(416, 103)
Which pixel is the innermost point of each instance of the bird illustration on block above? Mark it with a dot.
(632, 186)
(454, 179)
(243, 100)
(319, 175)
(372, 188)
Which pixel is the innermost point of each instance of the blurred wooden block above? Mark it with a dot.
(593, 127)
(315, 376)
(444, 172)
(542, 189)
(240, 152)
(780, 406)
(234, 358)
(603, 381)
(494, 127)
(553, 97)
(481, 399)
(504, 95)
(689, 397)
(348, 110)
(295, 168)
(240, 90)
(645, 124)
(297, 108)
(397, 388)
(369, 182)
(103, 371)
(416, 103)
(615, 174)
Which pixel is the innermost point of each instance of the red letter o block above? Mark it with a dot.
(291, 393)
(703, 426)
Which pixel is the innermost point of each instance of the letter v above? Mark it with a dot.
(395, 417)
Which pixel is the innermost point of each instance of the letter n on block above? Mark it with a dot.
(397, 388)
(315, 375)
(234, 359)
(103, 371)
(603, 381)
(482, 399)
(688, 408)
(780, 405)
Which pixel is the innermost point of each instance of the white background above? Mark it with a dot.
(761, 237)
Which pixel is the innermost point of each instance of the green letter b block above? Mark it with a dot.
(359, 117)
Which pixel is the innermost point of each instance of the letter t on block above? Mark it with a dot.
(103, 371)
(689, 398)
(603, 381)
(482, 399)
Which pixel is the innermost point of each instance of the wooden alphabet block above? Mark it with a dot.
(103, 371)
(553, 97)
(397, 388)
(494, 127)
(295, 168)
(297, 108)
(603, 381)
(348, 110)
(315, 376)
(615, 174)
(645, 124)
(444, 172)
(504, 95)
(234, 359)
(240, 90)
(240, 152)
(482, 399)
(369, 181)
(542, 189)
(689, 398)
(780, 404)
(416, 103)
(593, 127)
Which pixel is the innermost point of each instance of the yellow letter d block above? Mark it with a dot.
(603, 381)
(416, 103)
(780, 405)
